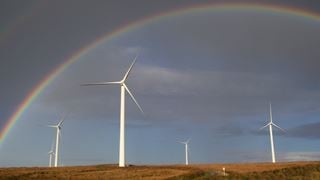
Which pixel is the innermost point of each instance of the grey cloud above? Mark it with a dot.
(308, 131)
(218, 74)
(208, 74)
(176, 93)
(250, 43)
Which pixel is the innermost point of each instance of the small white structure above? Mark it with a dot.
(224, 171)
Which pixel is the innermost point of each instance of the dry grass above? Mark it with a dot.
(253, 167)
(201, 171)
(96, 172)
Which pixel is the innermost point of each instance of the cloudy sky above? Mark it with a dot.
(205, 75)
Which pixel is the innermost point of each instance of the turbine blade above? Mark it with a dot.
(270, 113)
(62, 120)
(278, 127)
(184, 142)
(100, 83)
(265, 126)
(53, 126)
(133, 98)
(128, 72)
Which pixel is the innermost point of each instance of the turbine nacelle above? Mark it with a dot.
(59, 125)
(51, 153)
(272, 124)
(184, 142)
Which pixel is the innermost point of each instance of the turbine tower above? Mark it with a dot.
(51, 154)
(186, 150)
(270, 124)
(58, 127)
(123, 89)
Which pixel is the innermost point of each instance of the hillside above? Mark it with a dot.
(295, 170)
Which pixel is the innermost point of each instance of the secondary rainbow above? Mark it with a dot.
(256, 7)
(10, 29)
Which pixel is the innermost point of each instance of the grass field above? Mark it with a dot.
(294, 170)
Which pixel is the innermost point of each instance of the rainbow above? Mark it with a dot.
(36, 91)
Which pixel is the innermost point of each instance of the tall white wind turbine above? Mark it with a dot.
(58, 127)
(123, 89)
(270, 124)
(186, 143)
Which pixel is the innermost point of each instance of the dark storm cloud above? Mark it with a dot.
(36, 36)
(307, 131)
(208, 68)
(206, 75)
(246, 43)
(175, 94)
(255, 59)
(211, 67)
(230, 130)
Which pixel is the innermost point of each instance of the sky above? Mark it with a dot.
(206, 75)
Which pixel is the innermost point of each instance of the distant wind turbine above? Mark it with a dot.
(51, 154)
(186, 150)
(58, 127)
(123, 89)
(270, 124)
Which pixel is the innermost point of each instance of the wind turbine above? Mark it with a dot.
(58, 127)
(51, 154)
(123, 89)
(270, 124)
(186, 150)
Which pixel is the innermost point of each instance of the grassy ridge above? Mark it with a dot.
(302, 170)
(96, 172)
(299, 172)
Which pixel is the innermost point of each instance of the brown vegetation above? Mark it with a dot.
(253, 167)
(96, 172)
(295, 170)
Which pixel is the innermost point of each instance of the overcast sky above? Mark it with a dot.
(208, 76)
